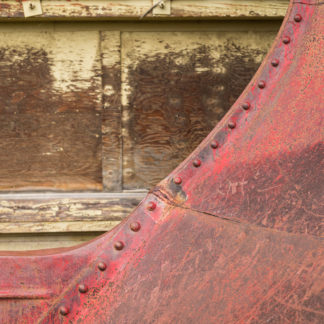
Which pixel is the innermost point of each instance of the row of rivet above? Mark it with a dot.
(246, 105)
(135, 226)
(102, 266)
(119, 245)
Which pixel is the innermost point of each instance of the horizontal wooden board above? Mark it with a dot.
(20, 242)
(237, 9)
(58, 227)
(52, 213)
(50, 112)
(127, 9)
(176, 87)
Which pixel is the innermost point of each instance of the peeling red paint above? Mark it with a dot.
(238, 240)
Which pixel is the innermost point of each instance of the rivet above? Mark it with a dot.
(261, 84)
(286, 40)
(246, 105)
(119, 245)
(231, 124)
(102, 266)
(151, 205)
(83, 288)
(177, 180)
(64, 310)
(214, 144)
(196, 163)
(275, 62)
(135, 226)
(32, 6)
(298, 18)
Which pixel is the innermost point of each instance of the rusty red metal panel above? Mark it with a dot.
(233, 235)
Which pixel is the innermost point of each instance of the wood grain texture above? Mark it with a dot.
(229, 9)
(65, 214)
(58, 227)
(111, 115)
(47, 151)
(50, 122)
(126, 9)
(20, 242)
(60, 117)
(176, 87)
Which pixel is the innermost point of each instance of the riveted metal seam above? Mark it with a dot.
(164, 197)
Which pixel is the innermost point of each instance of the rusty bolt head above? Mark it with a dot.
(64, 310)
(246, 105)
(231, 124)
(298, 18)
(214, 144)
(261, 84)
(135, 226)
(275, 62)
(102, 266)
(151, 205)
(83, 288)
(119, 245)
(196, 163)
(286, 40)
(177, 180)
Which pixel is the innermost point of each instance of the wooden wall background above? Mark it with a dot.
(94, 113)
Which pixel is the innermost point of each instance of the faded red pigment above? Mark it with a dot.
(233, 235)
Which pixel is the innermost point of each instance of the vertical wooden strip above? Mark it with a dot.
(111, 117)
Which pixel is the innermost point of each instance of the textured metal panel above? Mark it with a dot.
(233, 235)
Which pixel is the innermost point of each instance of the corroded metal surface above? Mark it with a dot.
(233, 235)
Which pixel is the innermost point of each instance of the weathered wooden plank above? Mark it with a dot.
(48, 151)
(19, 242)
(50, 122)
(58, 227)
(111, 116)
(28, 214)
(176, 87)
(128, 9)
(230, 9)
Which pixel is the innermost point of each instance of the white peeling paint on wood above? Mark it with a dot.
(76, 61)
(58, 227)
(138, 46)
(73, 56)
(133, 9)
